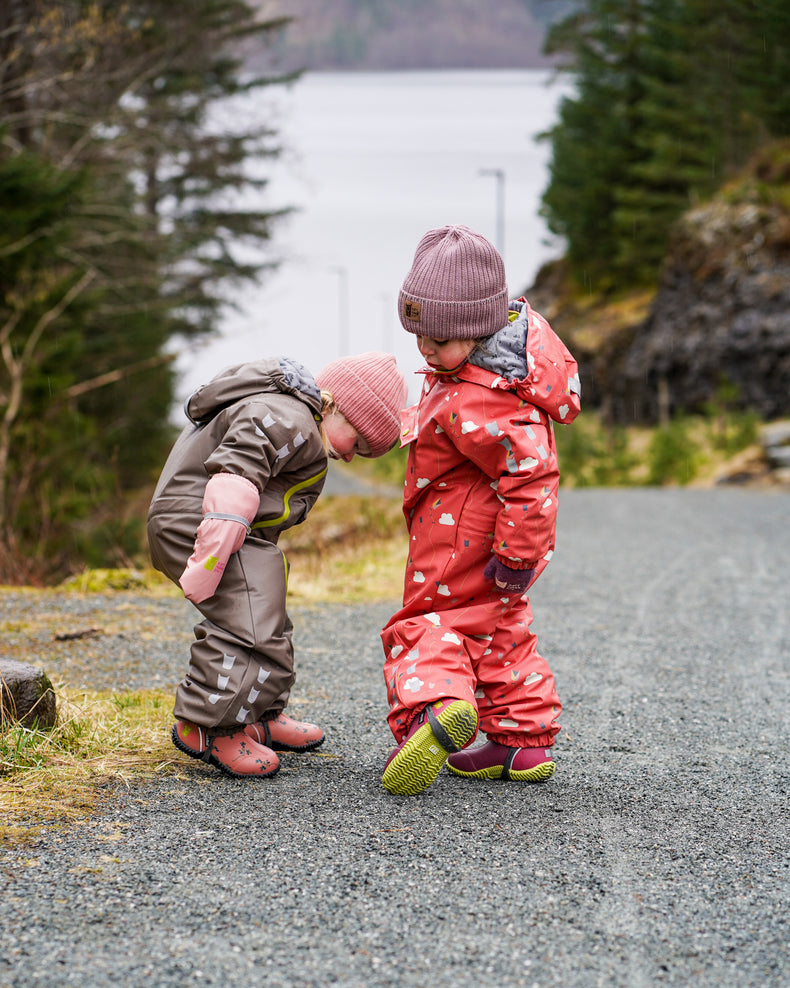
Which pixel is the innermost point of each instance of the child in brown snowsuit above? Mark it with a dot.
(251, 465)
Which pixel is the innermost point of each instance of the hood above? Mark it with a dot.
(529, 355)
(272, 375)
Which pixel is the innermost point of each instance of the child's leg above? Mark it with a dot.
(241, 668)
(518, 707)
(430, 684)
(430, 656)
(242, 659)
(441, 727)
(516, 695)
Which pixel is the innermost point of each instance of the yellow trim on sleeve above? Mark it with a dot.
(287, 501)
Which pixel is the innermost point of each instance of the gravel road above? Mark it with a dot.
(659, 854)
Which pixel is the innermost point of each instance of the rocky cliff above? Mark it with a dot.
(720, 317)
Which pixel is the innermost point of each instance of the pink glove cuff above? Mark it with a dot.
(230, 494)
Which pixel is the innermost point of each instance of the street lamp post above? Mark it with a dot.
(499, 174)
(388, 311)
(342, 300)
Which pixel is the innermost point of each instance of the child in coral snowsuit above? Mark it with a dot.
(481, 502)
(251, 465)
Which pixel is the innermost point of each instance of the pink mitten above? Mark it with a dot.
(229, 508)
(506, 579)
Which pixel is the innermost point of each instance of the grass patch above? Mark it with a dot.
(61, 775)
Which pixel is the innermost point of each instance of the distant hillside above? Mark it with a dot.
(411, 34)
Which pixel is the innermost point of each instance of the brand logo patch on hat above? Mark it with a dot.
(411, 310)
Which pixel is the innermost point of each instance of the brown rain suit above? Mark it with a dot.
(258, 420)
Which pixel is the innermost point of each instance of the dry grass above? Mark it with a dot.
(100, 740)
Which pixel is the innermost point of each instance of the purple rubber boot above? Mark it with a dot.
(498, 761)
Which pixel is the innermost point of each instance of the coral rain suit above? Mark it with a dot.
(482, 477)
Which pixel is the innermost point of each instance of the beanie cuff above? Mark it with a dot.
(453, 320)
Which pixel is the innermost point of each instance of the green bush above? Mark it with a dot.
(731, 429)
(593, 456)
(673, 455)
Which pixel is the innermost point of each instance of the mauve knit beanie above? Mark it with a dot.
(370, 390)
(456, 287)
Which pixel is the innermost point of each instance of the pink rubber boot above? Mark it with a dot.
(234, 754)
(498, 761)
(441, 727)
(283, 733)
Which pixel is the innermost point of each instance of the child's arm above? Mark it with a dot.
(230, 505)
(513, 444)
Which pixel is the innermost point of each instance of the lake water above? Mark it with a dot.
(373, 161)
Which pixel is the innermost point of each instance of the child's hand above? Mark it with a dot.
(217, 539)
(506, 579)
(229, 508)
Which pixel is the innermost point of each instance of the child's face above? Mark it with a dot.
(444, 356)
(342, 439)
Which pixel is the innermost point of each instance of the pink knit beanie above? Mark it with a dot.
(370, 390)
(456, 287)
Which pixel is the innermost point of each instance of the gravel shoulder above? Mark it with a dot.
(659, 853)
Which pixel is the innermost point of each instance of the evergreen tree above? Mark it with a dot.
(124, 240)
(672, 97)
(594, 143)
(678, 141)
(764, 68)
(698, 123)
(194, 170)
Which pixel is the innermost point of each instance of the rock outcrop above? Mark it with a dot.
(26, 696)
(721, 316)
(718, 323)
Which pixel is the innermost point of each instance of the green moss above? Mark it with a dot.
(102, 580)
